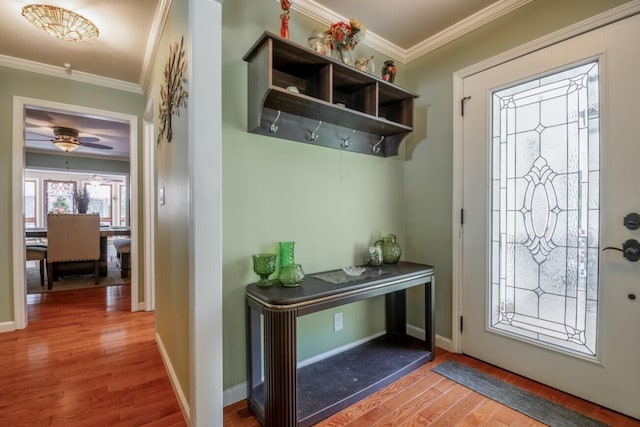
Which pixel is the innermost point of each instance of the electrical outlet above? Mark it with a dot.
(337, 322)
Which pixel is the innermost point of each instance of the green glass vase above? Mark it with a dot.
(286, 254)
(391, 250)
(291, 275)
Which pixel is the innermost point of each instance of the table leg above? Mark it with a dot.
(396, 312)
(280, 379)
(430, 316)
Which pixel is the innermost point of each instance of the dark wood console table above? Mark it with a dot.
(285, 395)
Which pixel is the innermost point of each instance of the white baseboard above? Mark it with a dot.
(7, 326)
(142, 306)
(337, 350)
(177, 389)
(234, 394)
(238, 392)
(442, 342)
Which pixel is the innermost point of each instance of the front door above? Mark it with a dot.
(551, 154)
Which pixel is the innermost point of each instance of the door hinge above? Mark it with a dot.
(461, 216)
(461, 323)
(462, 101)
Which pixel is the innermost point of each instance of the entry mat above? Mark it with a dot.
(530, 404)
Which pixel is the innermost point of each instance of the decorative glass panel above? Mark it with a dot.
(59, 196)
(545, 209)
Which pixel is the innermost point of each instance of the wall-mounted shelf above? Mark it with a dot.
(335, 105)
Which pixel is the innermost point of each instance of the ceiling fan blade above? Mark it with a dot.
(89, 139)
(98, 146)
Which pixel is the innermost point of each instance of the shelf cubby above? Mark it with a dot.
(346, 100)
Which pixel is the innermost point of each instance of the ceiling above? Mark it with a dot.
(127, 38)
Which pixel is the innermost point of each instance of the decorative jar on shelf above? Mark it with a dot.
(389, 71)
(374, 257)
(391, 250)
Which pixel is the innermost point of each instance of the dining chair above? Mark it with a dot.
(37, 252)
(72, 238)
(123, 250)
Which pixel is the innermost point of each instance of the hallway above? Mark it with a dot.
(85, 360)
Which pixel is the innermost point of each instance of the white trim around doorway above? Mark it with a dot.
(17, 178)
(605, 18)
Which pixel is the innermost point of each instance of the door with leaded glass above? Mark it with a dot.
(551, 154)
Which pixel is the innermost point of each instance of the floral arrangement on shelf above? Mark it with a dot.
(344, 36)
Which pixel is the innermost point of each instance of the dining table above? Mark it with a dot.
(77, 267)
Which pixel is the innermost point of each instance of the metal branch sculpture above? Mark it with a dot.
(172, 93)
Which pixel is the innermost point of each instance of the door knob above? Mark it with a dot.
(630, 250)
(632, 221)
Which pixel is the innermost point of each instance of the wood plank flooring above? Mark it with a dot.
(426, 398)
(85, 360)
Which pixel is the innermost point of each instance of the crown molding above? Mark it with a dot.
(80, 76)
(463, 27)
(159, 19)
(326, 17)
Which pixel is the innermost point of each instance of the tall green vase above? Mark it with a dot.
(286, 254)
(290, 273)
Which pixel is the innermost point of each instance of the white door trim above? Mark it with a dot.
(17, 168)
(608, 17)
(149, 173)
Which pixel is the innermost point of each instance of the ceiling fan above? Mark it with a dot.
(68, 139)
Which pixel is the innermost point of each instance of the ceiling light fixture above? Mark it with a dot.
(66, 139)
(61, 23)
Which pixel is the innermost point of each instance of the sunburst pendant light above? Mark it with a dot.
(61, 23)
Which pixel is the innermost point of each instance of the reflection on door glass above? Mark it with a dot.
(545, 209)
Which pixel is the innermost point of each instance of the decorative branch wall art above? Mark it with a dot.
(172, 93)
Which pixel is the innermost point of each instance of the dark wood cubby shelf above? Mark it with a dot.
(371, 110)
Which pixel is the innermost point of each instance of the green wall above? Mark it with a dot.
(53, 161)
(39, 86)
(428, 169)
(172, 218)
(332, 203)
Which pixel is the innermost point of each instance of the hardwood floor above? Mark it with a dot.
(85, 360)
(426, 398)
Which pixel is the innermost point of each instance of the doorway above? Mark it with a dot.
(20, 104)
(547, 139)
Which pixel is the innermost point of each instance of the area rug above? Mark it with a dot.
(66, 283)
(530, 404)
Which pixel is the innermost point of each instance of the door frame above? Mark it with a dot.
(576, 29)
(18, 166)
(149, 214)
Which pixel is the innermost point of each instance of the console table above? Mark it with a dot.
(285, 395)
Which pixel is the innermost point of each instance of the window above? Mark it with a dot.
(546, 209)
(123, 204)
(30, 203)
(100, 201)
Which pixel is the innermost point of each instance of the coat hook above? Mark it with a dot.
(274, 127)
(313, 136)
(376, 148)
(345, 141)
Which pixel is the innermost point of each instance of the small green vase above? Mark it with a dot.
(291, 275)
